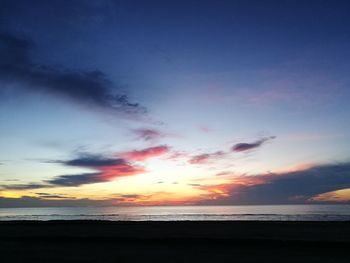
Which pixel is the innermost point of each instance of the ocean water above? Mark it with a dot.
(181, 213)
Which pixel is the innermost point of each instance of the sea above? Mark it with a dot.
(183, 213)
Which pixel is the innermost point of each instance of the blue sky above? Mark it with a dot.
(182, 84)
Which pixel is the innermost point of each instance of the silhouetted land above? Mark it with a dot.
(102, 241)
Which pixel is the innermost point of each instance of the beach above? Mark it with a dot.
(201, 241)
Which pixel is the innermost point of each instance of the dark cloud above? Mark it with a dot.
(106, 169)
(204, 158)
(148, 134)
(285, 188)
(77, 179)
(90, 160)
(28, 201)
(48, 200)
(55, 196)
(90, 88)
(25, 186)
(241, 147)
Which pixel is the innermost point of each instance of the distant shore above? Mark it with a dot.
(182, 241)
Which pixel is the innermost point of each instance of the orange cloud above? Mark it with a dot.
(233, 185)
(342, 195)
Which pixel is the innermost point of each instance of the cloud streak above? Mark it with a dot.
(88, 88)
(106, 169)
(147, 153)
(30, 201)
(242, 147)
(148, 134)
(205, 157)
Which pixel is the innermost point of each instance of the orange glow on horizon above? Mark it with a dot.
(341, 196)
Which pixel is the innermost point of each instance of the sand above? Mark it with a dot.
(234, 241)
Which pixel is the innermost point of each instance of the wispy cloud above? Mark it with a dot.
(177, 155)
(28, 186)
(53, 196)
(205, 157)
(147, 153)
(148, 134)
(30, 201)
(241, 147)
(89, 88)
(77, 179)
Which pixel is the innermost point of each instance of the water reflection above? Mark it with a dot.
(176, 213)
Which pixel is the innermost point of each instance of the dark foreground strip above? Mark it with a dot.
(175, 241)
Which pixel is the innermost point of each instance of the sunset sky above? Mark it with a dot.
(128, 102)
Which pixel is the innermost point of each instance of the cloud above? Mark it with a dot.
(28, 186)
(224, 173)
(48, 200)
(241, 147)
(302, 186)
(148, 134)
(131, 199)
(177, 155)
(29, 201)
(142, 155)
(341, 195)
(106, 169)
(52, 196)
(89, 88)
(90, 160)
(130, 196)
(205, 158)
(77, 179)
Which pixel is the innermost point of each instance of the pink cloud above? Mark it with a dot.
(125, 169)
(147, 153)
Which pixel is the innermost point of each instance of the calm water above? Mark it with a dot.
(178, 213)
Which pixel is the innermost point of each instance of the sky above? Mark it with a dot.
(108, 102)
